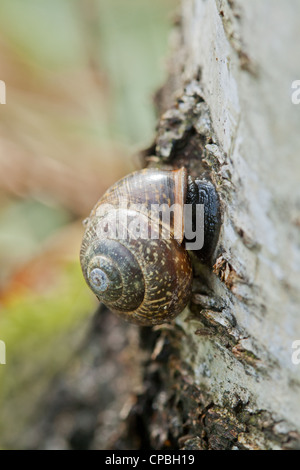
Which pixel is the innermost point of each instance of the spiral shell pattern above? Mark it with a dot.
(144, 280)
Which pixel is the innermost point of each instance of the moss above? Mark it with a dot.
(40, 332)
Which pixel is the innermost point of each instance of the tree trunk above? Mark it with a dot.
(222, 376)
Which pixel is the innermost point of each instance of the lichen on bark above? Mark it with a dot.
(221, 375)
(227, 380)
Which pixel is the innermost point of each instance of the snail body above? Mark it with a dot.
(141, 269)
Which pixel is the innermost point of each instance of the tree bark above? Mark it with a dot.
(222, 377)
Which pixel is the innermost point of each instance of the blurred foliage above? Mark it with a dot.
(80, 75)
(41, 332)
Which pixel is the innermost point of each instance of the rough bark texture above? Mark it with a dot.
(221, 376)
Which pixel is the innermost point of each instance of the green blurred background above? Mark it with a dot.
(80, 77)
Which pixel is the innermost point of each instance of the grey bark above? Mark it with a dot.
(232, 68)
(221, 376)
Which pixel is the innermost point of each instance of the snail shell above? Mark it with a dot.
(145, 280)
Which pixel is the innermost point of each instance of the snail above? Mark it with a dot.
(134, 261)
